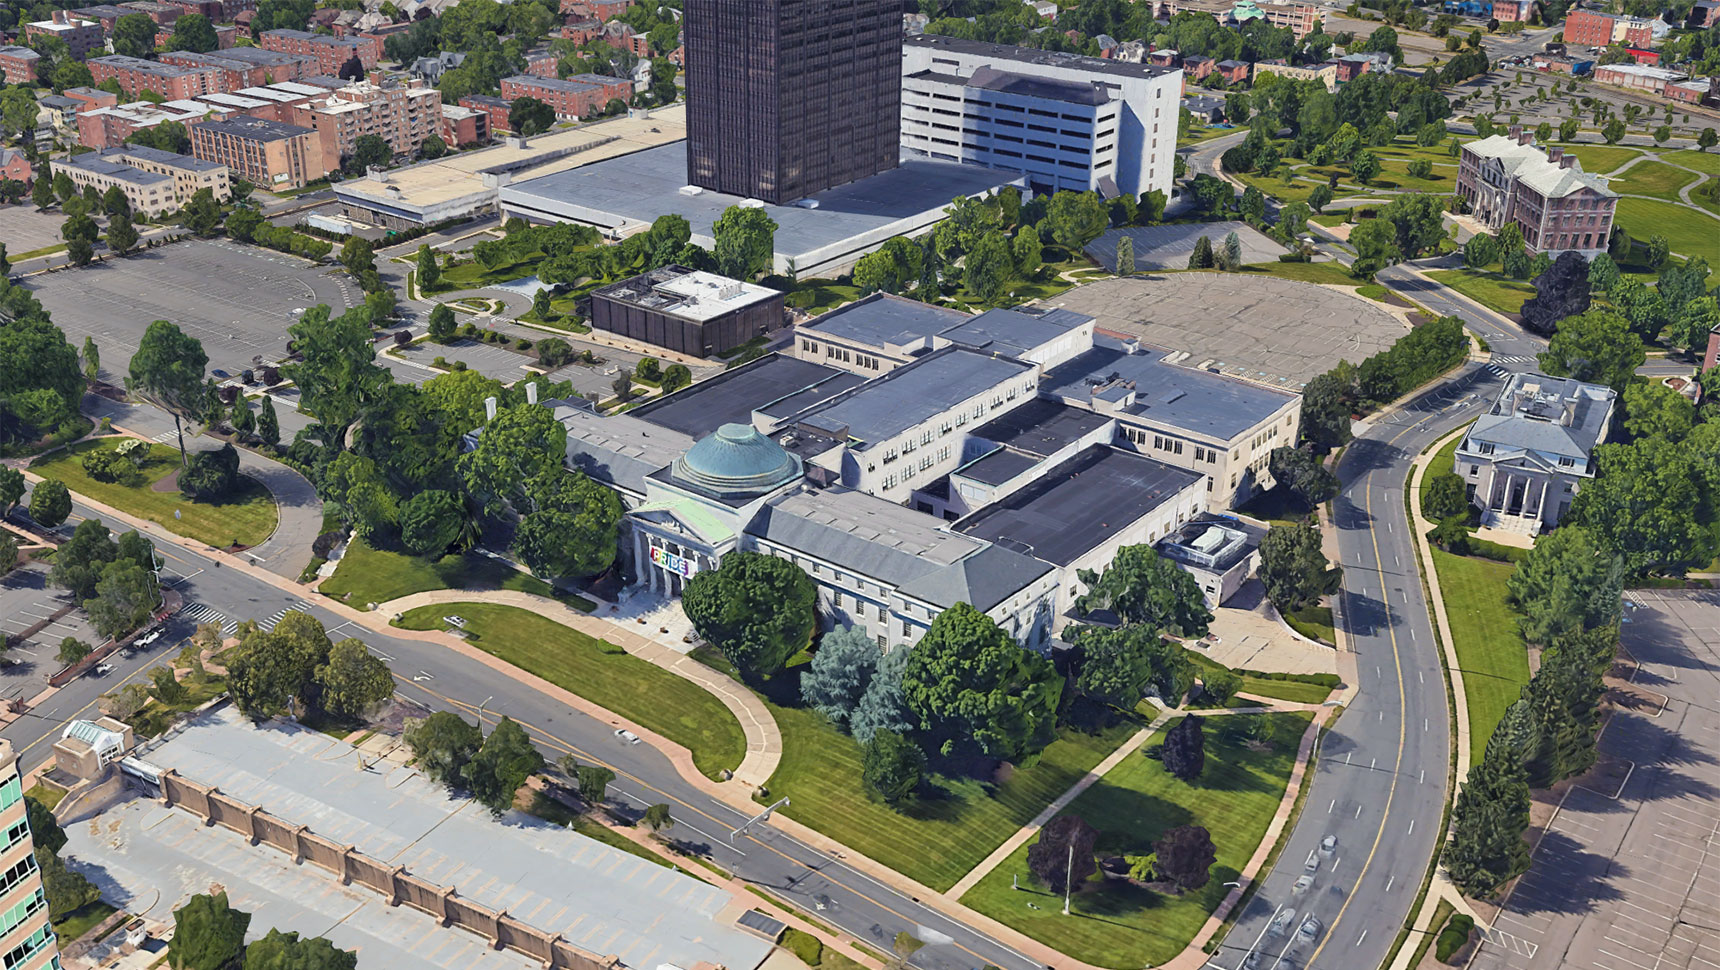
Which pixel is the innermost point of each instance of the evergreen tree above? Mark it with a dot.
(1184, 750)
(1202, 257)
(268, 425)
(1487, 825)
(893, 767)
(1125, 256)
(883, 707)
(839, 673)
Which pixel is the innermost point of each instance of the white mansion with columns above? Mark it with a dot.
(1524, 460)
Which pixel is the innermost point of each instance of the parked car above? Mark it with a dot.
(627, 736)
(1282, 922)
(147, 638)
(1303, 884)
(1310, 930)
(1328, 845)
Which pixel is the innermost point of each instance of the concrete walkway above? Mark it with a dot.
(764, 740)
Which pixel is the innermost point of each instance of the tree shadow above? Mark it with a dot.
(1582, 881)
(1129, 821)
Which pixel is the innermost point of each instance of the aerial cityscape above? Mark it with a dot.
(859, 484)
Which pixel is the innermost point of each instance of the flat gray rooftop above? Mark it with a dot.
(599, 898)
(639, 187)
(1080, 504)
(912, 394)
(1041, 427)
(147, 859)
(732, 396)
(884, 318)
(1182, 397)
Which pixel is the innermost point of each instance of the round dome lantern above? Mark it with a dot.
(736, 461)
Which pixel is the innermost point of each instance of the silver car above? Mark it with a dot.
(1310, 930)
(1302, 886)
(1328, 845)
(1282, 922)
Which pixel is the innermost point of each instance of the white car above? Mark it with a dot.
(1328, 845)
(627, 736)
(1303, 884)
(147, 639)
(102, 670)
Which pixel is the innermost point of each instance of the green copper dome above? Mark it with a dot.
(735, 462)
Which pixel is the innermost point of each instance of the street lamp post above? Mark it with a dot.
(1068, 879)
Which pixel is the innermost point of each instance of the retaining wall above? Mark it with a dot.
(393, 883)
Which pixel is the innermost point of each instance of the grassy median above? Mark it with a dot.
(1490, 651)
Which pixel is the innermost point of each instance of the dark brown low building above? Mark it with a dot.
(688, 311)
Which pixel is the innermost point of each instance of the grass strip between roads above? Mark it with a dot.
(1494, 661)
(369, 575)
(246, 518)
(1117, 924)
(1495, 291)
(602, 673)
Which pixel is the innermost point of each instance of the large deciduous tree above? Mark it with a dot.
(1116, 666)
(745, 241)
(1140, 586)
(442, 744)
(167, 370)
(272, 672)
(1597, 347)
(1303, 474)
(1185, 856)
(976, 690)
(1293, 568)
(892, 767)
(1063, 855)
(503, 763)
(208, 934)
(1184, 750)
(337, 375)
(1562, 291)
(50, 503)
(573, 528)
(758, 610)
(524, 444)
(352, 679)
(287, 951)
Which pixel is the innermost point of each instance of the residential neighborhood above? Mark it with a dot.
(940, 484)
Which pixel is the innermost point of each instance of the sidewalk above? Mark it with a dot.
(764, 740)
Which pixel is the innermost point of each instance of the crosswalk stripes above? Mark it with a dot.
(1512, 359)
(204, 613)
(268, 625)
(165, 436)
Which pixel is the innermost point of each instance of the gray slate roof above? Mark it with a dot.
(1528, 416)
(912, 394)
(1181, 397)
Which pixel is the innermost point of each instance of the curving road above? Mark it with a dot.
(1381, 783)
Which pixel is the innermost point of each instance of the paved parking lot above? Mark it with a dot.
(1274, 331)
(1628, 875)
(25, 600)
(1168, 247)
(25, 229)
(238, 300)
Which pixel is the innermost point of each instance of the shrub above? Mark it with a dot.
(459, 365)
(271, 376)
(249, 376)
(210, 475)
(522, 344)
(1453, 937)
(229, 394)
(803, 945)
(554, 352)
(440, 361)
(105, 466)
(402, 338)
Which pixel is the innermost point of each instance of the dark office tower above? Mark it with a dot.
(786, 98)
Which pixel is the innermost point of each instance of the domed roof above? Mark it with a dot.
(736, 461)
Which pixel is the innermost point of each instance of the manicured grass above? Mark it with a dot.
(81, 920)
(1295, 688)
(1494, 662)
(1708, 162)
(50, 797)
(951, 827)
(158, 716)
(1600, 159)
(1654, 178)
(601, 673)
(368, 575)
(472, 275)
(246, 518)
(32, 253)
(1686, 231)
(1115, 924)
(1314, 622)
(1494, 291)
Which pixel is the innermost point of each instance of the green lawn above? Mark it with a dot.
(1314, 622)
(1494, 662)
(81, 920)
(1296, 688)
(247, 518)
(1654, 178)
(472, 275)
(1600, 159)
(951, 827)
(1498, 293)
(1686, 231)
(601, 673)
(367, 575)
(1118, 925)
(1708, 162)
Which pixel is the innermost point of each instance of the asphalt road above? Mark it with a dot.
(442, 679)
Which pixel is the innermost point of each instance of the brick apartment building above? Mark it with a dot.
(1506, 179)
(464, 126)
(91, 98)
(1512, 11)
(271, 154)
(494, 108)
(246, 67)
(109, 127)
(105, 14)
(81, 36)
(1593, 29)
(402, 114)
(542, 63)
(576, 97)
(623, 37)
(1639, 77)
(580, 31)
(163, 14)
(18, 64)
(330, 53)
(172, 81)
(595, 9)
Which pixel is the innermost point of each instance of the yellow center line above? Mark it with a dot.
(1397, 658)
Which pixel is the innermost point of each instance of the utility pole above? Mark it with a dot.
(760, 817)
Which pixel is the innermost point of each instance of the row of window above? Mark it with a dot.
(17, 914)
(22, 953)
(20, 871)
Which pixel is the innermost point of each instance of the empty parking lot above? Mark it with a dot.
(26, 602)
(1274, 331)
(1628, 874)
(238, 300)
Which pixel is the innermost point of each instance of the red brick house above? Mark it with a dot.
(1232, 71)
(492, 107)
(14, 166)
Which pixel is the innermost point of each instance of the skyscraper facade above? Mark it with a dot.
(786, 98)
